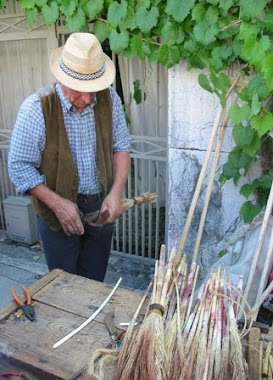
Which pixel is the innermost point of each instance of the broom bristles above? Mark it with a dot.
(182, 338)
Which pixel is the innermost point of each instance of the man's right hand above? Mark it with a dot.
(67, 213)
(65, 210)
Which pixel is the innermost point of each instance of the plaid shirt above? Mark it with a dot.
(28, 142)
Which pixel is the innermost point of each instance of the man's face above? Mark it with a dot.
(79, 100)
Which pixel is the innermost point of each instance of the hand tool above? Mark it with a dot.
(113, 331)
(27, 308)
(95, 218)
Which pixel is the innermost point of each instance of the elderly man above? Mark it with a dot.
(70, 151)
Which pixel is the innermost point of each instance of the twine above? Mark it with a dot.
(156, 308)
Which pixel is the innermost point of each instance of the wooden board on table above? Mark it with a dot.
(82, 297)
(62, 303)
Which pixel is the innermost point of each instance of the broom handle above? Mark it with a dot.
(203, 172)
(199, 184)
(257, 251)
(209, 189)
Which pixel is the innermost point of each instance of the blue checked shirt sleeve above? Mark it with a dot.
(121, 136)
(27, 145)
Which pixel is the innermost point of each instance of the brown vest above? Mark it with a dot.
(57, 162)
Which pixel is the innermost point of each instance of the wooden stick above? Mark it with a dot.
(263, 297)
(209, 189)
(259, 244)
(203, 172)
(199, 183)
(266, 271)
(85, 323)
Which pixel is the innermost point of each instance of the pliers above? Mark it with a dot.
(27, 308)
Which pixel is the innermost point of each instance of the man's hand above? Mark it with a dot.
(111, 209)
(66, 211)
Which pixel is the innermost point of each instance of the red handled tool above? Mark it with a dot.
(27, 308)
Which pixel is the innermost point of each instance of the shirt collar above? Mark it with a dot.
(65, 102)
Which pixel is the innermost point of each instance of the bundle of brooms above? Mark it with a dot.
(185, 334)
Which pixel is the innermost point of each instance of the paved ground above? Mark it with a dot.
(23, 265)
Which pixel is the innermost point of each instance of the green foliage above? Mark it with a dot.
(222, 36)
(138, 96)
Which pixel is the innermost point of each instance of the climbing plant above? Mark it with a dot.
(225, 37)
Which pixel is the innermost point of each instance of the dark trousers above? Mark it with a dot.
(85, 255)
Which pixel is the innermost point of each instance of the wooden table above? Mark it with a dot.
(62, 302)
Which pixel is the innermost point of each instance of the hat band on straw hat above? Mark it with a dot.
(76, 75)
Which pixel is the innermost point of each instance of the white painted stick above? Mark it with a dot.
(209, 189)
(266, 270)
(89, 319)
(268, 211)
(203, 172)
(199, 184)
(263, 297)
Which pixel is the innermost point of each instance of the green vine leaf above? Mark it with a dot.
(238, 114)
(255, 105)
(27, 4)
(254, 146)
(249, 189)
(255, 50)
(267, 70)
(221, 82)
(92, 9)
(101, 30)
(256, 85)
(204, 33)
(129, 22)
(251, 8)
(116, 12)
(242, 135)
(229, 172)
(179, 13)
(77, 21)
(40, 3)
(198, 12)
(31, 16)
(168, 55)
(146, 19)
(50, 13)
(172, 34)
(118, 41)
(248, 211)
(137, 95)
(3, 4)
(226, 4)
(263, 122)
(220, 55)
(240, 160)
(247, 29)
(139, 47)
(204, 82)
(68, 7)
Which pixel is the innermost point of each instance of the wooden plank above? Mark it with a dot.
(28, 345)
(82, 296)
(12, 306)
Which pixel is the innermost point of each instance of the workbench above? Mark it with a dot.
(62, 302)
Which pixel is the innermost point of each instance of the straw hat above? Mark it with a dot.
(81, 64)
